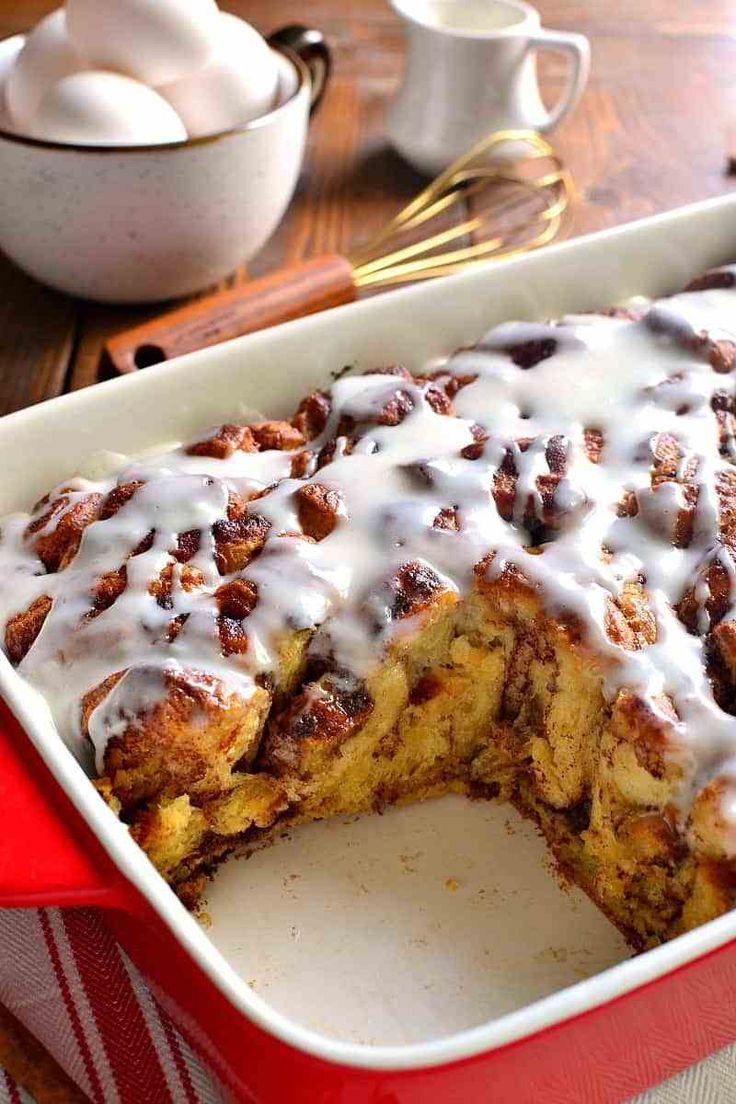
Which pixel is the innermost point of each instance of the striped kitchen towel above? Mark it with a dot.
(65, 978)
(10, 1093)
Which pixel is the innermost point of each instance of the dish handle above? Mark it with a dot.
(48, 855)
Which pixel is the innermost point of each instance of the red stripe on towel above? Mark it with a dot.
(181, 1066)
(119, 1018)
(71, 1008)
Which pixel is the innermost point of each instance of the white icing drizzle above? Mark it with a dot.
(630, 380)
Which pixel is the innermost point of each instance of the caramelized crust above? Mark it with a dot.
(56, 535)
(117, 498)
(187, 743)
(187, 545)
(324, 714)
(239, 538)
(227, 440)
(448, 518)
(722, 356)
(236, 600)
(231, 438)
(716, 278)
(414, 588)
(107, 590)
(703, 605)
(331, 450)
(438, 399)
(593, 443)
(311, 417)
(630, 622)
(541, 513)
(23, 628)
(188, 578)
(475, 451)
(526, 354)
(277, 435)
(318, 508)
(722, 405)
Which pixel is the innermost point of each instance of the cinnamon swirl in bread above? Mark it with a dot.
(512, 577)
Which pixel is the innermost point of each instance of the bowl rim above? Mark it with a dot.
(419, 18)
(303, 82)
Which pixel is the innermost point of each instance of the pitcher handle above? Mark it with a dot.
(578, 47)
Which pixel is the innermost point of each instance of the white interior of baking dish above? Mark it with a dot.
(435, 931)
(404, 927)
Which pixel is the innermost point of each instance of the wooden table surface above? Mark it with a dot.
(653, 131)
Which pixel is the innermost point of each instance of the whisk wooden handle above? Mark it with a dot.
(289, 293)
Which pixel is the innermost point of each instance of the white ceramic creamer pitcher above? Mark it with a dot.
(470, 70)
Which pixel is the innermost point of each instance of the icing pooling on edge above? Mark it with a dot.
(631, 380)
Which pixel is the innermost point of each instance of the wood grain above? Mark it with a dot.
(29, 1064)
(37, 334)
(653, 131)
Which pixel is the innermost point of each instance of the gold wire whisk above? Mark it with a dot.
(481, 173)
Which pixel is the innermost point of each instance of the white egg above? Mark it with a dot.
(154, 40)
(46, 57)
(9, 50)
(97, 108)
(238, 83)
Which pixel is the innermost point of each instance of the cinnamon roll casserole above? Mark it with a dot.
(510, 577)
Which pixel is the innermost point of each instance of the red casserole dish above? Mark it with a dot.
(601, 1039)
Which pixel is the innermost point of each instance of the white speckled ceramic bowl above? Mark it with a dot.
(141, 224)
